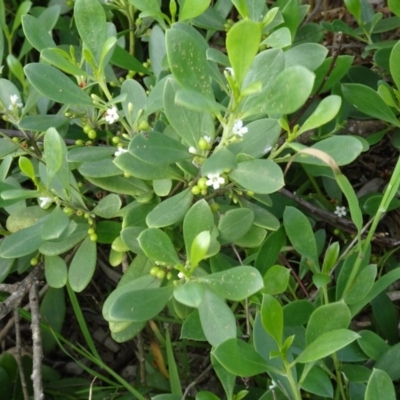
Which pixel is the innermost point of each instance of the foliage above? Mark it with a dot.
(175, 168)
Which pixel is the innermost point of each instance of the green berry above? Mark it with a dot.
(79, 213)
(15, 139)
(169, 275)
(93, 237)
(91, 231)
(154, 270)
(144, 126)
(202, 183)
(92, 134)
(127, 175)
(204, 192)
(337, 232)
(115, 139)
(250, 193)
(34, 261)
(160, 274)
(79, 142)
(203, 144)
(68, 210)
(196, 190)
(87, 128)
(214, 207)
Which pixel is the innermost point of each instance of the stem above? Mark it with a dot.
(292, 382)
(338, 377)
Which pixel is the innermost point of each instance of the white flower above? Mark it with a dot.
(192, 150)
(340, 211)
(215, 181)
(45, 202)
(230, 71)
(238, 128)
(111, 115)
(120, 151)
(273, 385)
(14, 99)
(181, 275)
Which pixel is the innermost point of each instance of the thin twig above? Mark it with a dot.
(296, 277)
(199, 379)
(19, 356)
(142, 360)
(37, 349)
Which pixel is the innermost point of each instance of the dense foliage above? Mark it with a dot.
(185, 171)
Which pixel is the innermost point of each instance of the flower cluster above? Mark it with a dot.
(111, 115)
(14, 99)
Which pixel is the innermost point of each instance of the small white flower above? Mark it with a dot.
(230, 71)
(215, 181)
(14, 99)
(111, 115)
(45, 202)
(340, 211)
(192, 150)
(207, 138)
(238, 128)
(120, 151)
(181, 275)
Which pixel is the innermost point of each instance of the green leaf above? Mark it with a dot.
(158, 149)
(327, 110)
(90, 153)
(297, 312)
(135, 98)
(190, 293)
(234, 224)
(61, 60)
(42, 122)
(157, 49)
(300, 233)
(200, 245)
(218, 162)
(108, 206)
(90, 20)
(56, 86)
(55, 152)
(394, 61)
(23, 242)
(241, 6)
(26, 167)
(121, 58)
(276, 280)
(235, 284)
(140, 305)
(289, 91)
(170, 211)
(36, 33)
(56, 271)
(188, 124)
(259, 176)
(198, 219)
(326, 344)
(83, 265)
(361, 285)
(387, 362)
(253, 238)
(380, 386)
(309, 55)
(197, 101)
(272, 318)
(162, 187)
(147, 5)
(327, 318)
(217, 319)
(372, 344)
(55, 225)
(119, 184)
(186, 50)
(192, 8)
(279, 38)
(143, 170)
(242, 43)
(369, 102)
(158, 246)
(23, 9)
(318, 382)
(394, 7)
(240, 358)
(262, 217)
(354, 7)
(16, 68)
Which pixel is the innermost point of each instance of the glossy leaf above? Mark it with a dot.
(192, 8)
(240, 358)
(108, 206)
(326, 344)
(276, 280)
(325, 112)
(140, 305)
(158, 149)
(190, 293)
(369, 102)
(214, 314)
(380, 386)
(394, 7)
(55, 225)
(200, 245)
(234, 224)
(289, 91)
(259, 176)
(90, 20)
(56, 271)
(272, 318)
(235, 284)
(53, 84)
(309, 55)
(242, 43)
(326, 318)
(279, 39)
(171, 210)
(83, 265)
(158, 246)
(300, 233)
